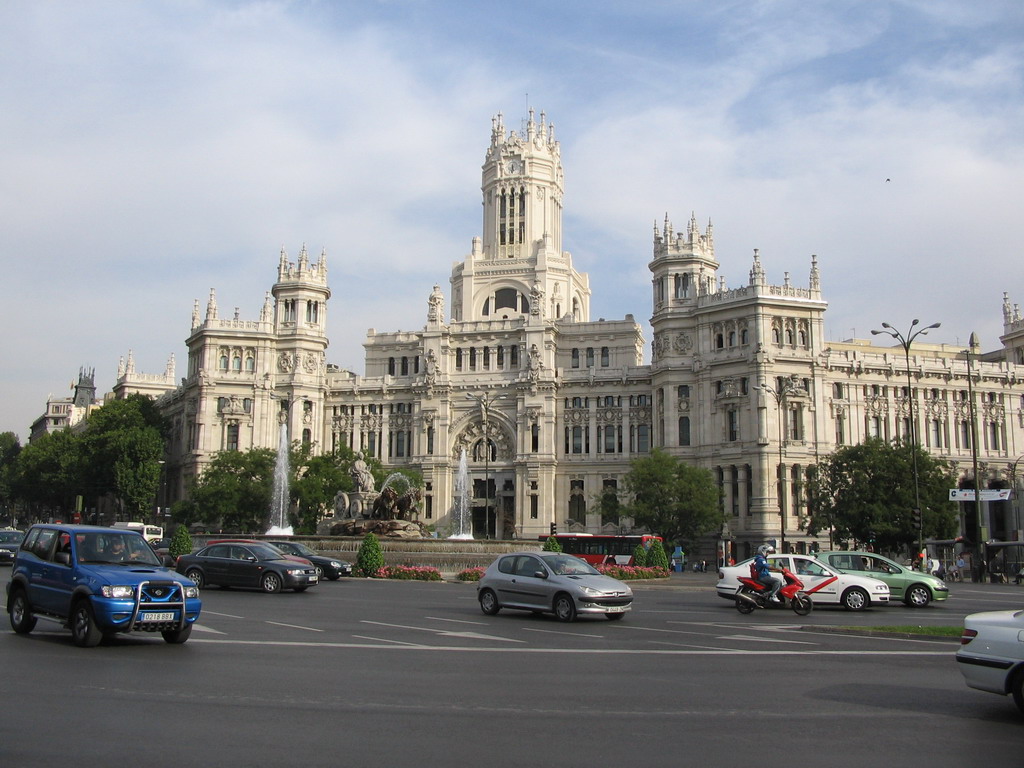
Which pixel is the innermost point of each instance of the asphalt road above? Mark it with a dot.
(379, 673)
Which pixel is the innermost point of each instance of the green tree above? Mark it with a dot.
(316, 481)
(640, 556)
(551, 545)
(10, 447)
(656, 556)
(233, 492)
(181, 542)
(121, 449)
(671, 499)
(369, 558)
(48, 474)
(865, 492)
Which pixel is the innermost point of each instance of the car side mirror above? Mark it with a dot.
(541, 574)
(251, 558)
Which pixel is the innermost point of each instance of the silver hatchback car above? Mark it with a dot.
(551, 582)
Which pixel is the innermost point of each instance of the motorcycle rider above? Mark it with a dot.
(763, 570)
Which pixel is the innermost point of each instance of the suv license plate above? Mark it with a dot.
(157, 617)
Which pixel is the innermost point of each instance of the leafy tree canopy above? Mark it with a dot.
(673, 500)
(865, 492)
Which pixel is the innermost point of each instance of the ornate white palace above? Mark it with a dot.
(552, 406)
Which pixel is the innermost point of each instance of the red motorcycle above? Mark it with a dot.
(753, 594)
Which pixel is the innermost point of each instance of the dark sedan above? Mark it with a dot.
(10, 542)
(328, 567)
(251, 564)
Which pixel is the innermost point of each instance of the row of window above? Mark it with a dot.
(588, 356)
(609, 439)
(936, 433)
(841, 391)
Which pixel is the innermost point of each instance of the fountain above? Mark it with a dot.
(279, 496)
(462, 523)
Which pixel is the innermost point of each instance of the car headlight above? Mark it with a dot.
(881, 588)
(591, 591)
(296, 571)
(335, 564)
(191, 591)
(118, 591)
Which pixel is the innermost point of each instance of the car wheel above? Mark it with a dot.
(177, 636)
(22, 620)
(84, 631)
(1017, 689)
(271, 582)
(918, 596)
(319, 573)
(489, 602)
(565, 608)
(196, 576)
(614, 616)
(855, 599)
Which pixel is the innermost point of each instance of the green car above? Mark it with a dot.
(914, 588)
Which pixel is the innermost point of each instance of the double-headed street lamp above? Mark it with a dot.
(905, 342)
(486, 400)
(788, 386)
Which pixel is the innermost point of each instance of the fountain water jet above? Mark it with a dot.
(461, 522)
(279, 495)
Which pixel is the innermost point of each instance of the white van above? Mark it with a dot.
(149, 532)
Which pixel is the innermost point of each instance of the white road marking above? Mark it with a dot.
(228, 615)
(201, 628)
(763, 639)
(457, 621)
(576, 651)
(444, 632)
(556, 632)
(385, 640)
(294, 626)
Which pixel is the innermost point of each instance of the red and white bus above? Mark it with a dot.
(599, 549)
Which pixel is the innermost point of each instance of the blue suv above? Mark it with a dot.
(98, 582)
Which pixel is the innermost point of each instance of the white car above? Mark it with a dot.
(825, 585)
(991, 653)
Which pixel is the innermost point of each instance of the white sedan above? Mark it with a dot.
(826, 586)
(991, 653)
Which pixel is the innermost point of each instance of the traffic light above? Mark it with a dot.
(554, 529)
(917, 518)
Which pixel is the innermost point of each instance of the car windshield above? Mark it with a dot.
(266, 551)
(569, 565)
(108, 547)
(299, 549)
(11, 537)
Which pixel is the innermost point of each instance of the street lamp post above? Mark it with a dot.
(905, 342)
(486, 400)
(788, 386)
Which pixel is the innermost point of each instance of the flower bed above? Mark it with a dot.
(470, 574)
(632, 572)
(409, 573)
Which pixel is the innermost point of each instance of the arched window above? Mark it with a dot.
(590, 357)
(719, 341)
(684, 430)
(575, 358)
(789, 336)
(250, 363)
(604, 357)
(732, 338)
(236, 363)
(803, 338)
(223, 364)
(391, 366)
(405, 366)
(744, 337)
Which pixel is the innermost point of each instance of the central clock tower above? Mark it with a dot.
(518, 267)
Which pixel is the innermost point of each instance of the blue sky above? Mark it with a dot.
(153, 151)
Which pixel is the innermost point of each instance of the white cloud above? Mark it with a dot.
(153, 151)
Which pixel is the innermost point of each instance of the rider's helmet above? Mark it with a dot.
(765, 549)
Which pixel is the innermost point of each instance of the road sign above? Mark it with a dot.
(967, 494)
